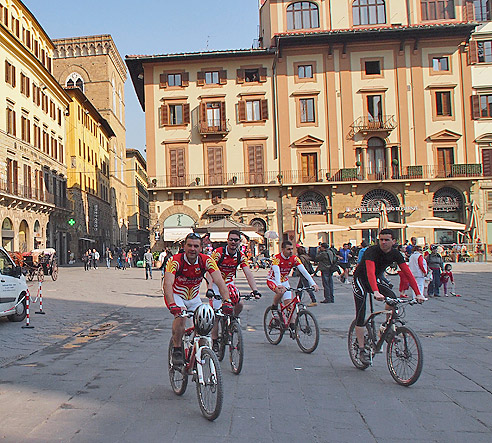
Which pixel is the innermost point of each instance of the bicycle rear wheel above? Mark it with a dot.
(272, 327)
(307, 331)
(404, 356)
(178, 379)
(236, 348)
(221, 338)
(210, 392)
(353, 347)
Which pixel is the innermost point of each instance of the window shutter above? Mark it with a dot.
(203, 113)
(200, 78)
(446, 105)
(13, 76)
(263, 75)
(472, 52)
(163, 81)
(222, 115)
(181, 162)
(240, 74)
(468, 11)
(241, 107)
(264, 109)
(185, 79)
(7, 72)
(164, 115)
(487, 162)
(223, 77)
(186, 113)
(475, 105)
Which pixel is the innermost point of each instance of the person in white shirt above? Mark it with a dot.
(418, 266)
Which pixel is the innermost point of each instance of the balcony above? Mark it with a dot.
(213, 127)
(367, 124)
(27, 194)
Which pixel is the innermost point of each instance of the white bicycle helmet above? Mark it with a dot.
(203, 319)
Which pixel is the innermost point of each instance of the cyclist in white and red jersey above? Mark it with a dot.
(184, 274)
(278, 277)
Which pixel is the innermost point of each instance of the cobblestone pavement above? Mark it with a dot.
(94, 369)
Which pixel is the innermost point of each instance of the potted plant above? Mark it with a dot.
(197, 181)
(234, 180)
(358, 163)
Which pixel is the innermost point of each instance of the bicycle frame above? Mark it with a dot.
(296, 300)
(195, 356)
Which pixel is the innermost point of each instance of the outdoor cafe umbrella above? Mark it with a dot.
(323, 227)
(383, 217)
(299, 225)
(437, 223)
(270, 235)
(373, 223)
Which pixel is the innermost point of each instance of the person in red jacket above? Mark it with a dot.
(375, 260)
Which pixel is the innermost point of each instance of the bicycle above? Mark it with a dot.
(202, 364)
(304, 327)
(230, 334)
(404, 355)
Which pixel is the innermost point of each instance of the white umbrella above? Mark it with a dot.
(271, 235)
(299, 225)
(323, 227)
(437, 223)
(383, 217)
(373, 223)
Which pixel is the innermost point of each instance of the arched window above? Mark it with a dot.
(302, 15)
(74, 79)
(371, 204)
(368, 12)
(312, 202)
(437, 9)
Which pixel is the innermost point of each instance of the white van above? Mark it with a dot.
(13, 288)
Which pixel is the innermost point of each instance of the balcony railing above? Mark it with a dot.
(214, 127)
(294, 177)
(26, 192)
(369, 124)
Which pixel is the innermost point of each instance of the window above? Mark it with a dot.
(174, 80)
(215, 161)
(445, 160)
(253, 110)
(375, 108)
(37, 134)
(443, 104)
(482, 10)
(175, 114)
(212, 78)
(486, 106)
(376, 158)
(484, 51)
(177, 166)
(372, 67)
(305, 71)
(213, 114)
(9, 74)
(309, 167)
(487, 172)
(251, 75)
(11, 129)
(302, 15)
(440, 64)
(6, 265)
(178, 198)
(255, 164)
(25, 85)
(437, 9)
(368, 12)
(307, 110)
(25, 129)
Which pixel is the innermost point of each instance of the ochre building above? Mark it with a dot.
(338, 110)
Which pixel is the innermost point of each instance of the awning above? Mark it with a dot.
(222, 236)
(175, 234)
(90, 240)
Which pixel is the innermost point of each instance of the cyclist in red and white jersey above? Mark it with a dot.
(278, 277)
(182, 280)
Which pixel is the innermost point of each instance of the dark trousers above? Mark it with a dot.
(434, 285)
(303, 283)
(327, 279)
(148, 270)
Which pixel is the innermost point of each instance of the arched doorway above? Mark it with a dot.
(8, 235)
(447, 203)
(260, 225)
(311, 202)
(370, 206)
(23, 236)
(37, 235)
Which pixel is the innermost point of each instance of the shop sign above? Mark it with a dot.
(96, 217)
(311, 207)
(372, 209)
(446, 204)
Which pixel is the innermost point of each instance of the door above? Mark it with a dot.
(309, 165)
(255, 164)
(215, 165)
(177, 166)
(445, 158)
(374, 110)
(9, 285)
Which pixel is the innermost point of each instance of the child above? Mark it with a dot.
(445, 277)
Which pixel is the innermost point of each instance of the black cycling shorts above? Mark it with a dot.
(360, 298)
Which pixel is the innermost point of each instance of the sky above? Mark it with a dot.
(151, 27)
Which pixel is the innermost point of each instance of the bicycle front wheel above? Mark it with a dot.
(236, 349)
(307, 331)
(353, 346)
(210, 392)
(178, 378)
(404, 356)
(272, 327)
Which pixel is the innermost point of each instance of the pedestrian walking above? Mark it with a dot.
(446, 276)
(129, 257)
(148, 259)
(363, 247)
(344, 256)
(418, 266)
(108, 256)
(435, 264)
(86, 260)
(123, 259)
(326, 264)
(303, 283)
(96, 258)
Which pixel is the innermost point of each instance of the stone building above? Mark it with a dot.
(95, 63)
(33, 203)
(138, 198)
(88, 142)
(341, 109)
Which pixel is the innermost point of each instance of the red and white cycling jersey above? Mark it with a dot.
(229, 263)
(285, 265)
(188, 279)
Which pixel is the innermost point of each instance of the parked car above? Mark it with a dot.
(13, 288)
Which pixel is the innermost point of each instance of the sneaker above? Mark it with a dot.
(215, 346)
(310, 305)
(178, 359)
(445, 295)
(364, 357)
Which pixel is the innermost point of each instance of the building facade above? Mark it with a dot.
(33, 203)
(342, 109)
(138, 198)
(94, 64)
(88, 142)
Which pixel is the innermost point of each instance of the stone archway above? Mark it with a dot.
(8, 235)
(24, 237)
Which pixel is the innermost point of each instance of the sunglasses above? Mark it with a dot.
(194, 235)
(234, 239)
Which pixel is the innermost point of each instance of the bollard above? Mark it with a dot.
(27, 325)
(40, 295)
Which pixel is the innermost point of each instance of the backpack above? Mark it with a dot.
(179, 271)
(222, 257)
(333, 261)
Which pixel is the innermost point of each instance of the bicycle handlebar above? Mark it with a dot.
(399, 301)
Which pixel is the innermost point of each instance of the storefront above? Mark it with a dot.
(448, 204)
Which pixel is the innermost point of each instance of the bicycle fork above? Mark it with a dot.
(198, 356)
